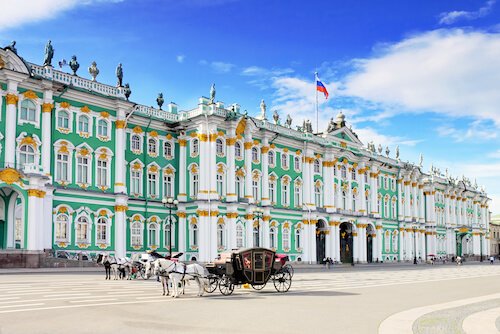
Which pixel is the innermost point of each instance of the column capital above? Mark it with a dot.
(11, 98)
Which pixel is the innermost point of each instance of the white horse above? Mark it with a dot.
(121, 267)
(180, 274)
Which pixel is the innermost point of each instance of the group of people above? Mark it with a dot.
(328, 262)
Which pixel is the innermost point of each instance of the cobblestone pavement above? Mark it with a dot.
(53, 303)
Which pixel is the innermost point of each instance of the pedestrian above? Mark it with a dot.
(328, 262)
(492, 259)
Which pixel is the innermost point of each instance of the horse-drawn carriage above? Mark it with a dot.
(254, 266)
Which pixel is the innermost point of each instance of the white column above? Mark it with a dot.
(401, 215)
(120, 224)
(349, 188)
(374, 191)
(414, 209)
(10, 124)
(355, 245)
(401, 242)
(231, 169)
(182, 174)
(361, 190)
(328, 184)
(47, 106)
(422, 244)
(379, 230)
(362, 243)
(407, 200)
(47, 217)
(248, 167)
(312, 241)
(249, 230)
(212, 163)
(181, 231)
(421, 202)
(120, 134)
(337, 244)
(34, 227)
(265, 173)
(338, 196)
(264, 231)
(333, 240)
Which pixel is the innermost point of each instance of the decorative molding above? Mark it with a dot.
(10, 175)
(11, 98)
(47, 107)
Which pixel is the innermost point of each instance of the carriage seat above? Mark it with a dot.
(224, 258)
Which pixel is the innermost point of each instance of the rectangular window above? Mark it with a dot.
(297, 197)
(102, 173)
(284, 195)
(135, 182)
(220, 184)
(255, 189)
(195, 185)
(62, 167)
(272, 192)
(152, 181)
(82, 170)
(168, 186)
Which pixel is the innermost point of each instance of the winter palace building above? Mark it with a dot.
(83, 170)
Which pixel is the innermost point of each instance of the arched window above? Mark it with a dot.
(136, 143)
(102, 231)
(28, 111)
(272, 237)
(195, 181)
(194, 147)
(298, 238)
(83, 124)
(167, 149)
(284, 160)
(82, 170)
(239, 235)
(168, 185)
(255, 189)
(152, 146)
(285, 191)
(63, 119)
(343, 172)
(240, 187)
(256, 237)
(393, 208)
(296, 162)
(387, 241)
(219, 147)
(220, 236)
(379, 204)
(62, 228)
(62, 167)
(286, 238)
(237, 150)
(316, 166)
(136, 181)
(26, 155)
(152, 184)
(297, 194)
(169, 237)
(194, 239)
(344, 199)
(395, 241)
(270, 158)
(82, 230)
(136, 234)
(366, 177)
(102, 173)
(386, 206)
(367, 200)
(354, 200)
(272, 191)
(353, 174)
(317, 194)
(102, 128)
(255, 154)
(153, 235)
(220, 184)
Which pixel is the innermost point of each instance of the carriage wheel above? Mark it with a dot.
(225, 286)
(212, 284)
(258, 286)
(282, 280)
(289, 267)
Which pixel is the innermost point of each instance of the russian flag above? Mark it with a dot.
(321, 88)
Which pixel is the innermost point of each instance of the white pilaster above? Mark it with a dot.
(120, 224)
(47, 106)
(248, 167)
(231, 166)
(10, 124)
(182, 175)
(265, 173)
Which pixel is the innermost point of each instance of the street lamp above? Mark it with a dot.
(258, 214)
(169, 203)
(415, 245)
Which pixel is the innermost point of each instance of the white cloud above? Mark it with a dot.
(180, 58)
(495, 154)
(17, 13)
(221, 67)
(452, 72)
(477, 130)
(452, 17)
(260, 71)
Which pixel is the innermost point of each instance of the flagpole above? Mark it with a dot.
(317, 112)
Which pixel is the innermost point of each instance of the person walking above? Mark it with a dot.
(492, 259)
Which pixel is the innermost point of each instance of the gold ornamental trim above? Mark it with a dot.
(65, 105)
(354, 234)
(11, 98)
(231, 215)
(407, 183)
(104, 114)
(121, 208)
(203, 137)
(248, 145)
(137, 130)
(266, 218)
(181, 214)
(85, 109)
(120, 124)
(230, 141)
(213, 137)
(427, 193)
(414, 184)
(343, 144)
(249, 216)
(29, 94)
(47, 107)
(32, 192)
(264, 149)
(378, 227)
(10, 175)
(28, 140)
(334, 223)
(420, 186)
(183, 142)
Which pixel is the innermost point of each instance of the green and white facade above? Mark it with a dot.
(84, 170)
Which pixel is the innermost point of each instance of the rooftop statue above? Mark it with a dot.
(379, 149)
(231, 114)
(212, 94)
(12, 47)
(276, 117)
(309, 127)
(119, 75)
(288, 122)
(73, 64)
(331, 126)
(387, 151)
(262, 110)
(126, 91)
(49, 54)
(93, 70)
(397, 152)
(421, 160)
(160, 100)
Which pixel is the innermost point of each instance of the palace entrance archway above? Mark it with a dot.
(346, 242)
(370, 233)
(321, 230)
(11, 219)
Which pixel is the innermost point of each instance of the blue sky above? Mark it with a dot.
(421, 74)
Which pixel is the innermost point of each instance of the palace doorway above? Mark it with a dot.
(11, 219)
(321, 230)
(346, 243)
(370, 233)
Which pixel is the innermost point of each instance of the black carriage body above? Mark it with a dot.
(250, 265)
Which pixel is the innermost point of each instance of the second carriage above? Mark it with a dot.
(254, 266)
